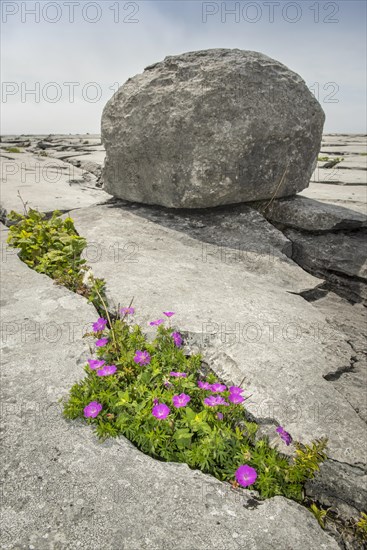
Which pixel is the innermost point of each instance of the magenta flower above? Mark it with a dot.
(155, 402)
(236, 398)
(156, 323)
(100, 324)
(95, 363)
(168, 313)
(168, 384)
(107, 370)
(286, 437)
(218, 387)
(245, 475)
(177, 338)
(178, 374)
(204, 385)
(101, 342)
(142, 357)
(127, 310)
(92, 409)
(180, 400)
(220, 416)
(160, 411)
(214, 400)
(236, 389)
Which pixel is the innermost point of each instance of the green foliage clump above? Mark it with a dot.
(361, 527)
(13, 150)
(319, 514)
(194, 434)
(53, 247)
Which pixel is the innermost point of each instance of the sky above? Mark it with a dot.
(61, 61)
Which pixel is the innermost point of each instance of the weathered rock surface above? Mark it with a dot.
(46, 184)
(210, 128)
(310, 215)
(351, 319)
(340, 257)
(245, 315)
(61, 488)
(340, 176)
(328, 241)
(349, 196)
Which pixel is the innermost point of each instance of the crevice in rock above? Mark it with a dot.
(313, 294)
(335, 375)
(48, 214)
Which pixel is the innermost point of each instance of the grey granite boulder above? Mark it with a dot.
(210, 128)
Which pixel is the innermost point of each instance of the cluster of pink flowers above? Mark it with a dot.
(176, 336)
(234, 397)
(161, 410)
(245, 475)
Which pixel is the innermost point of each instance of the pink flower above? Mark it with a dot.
(285, 436)
(236, 398)
(127, 310)
(177, 338)
(218, 387)
(95, 363)
(101, 342)
(220, 416)
(168, 313)
(160, 411)
(142, 357)
(107, 370)
(178, 374)
(204, 385)
(214, 400)
(180, 400)
(245, 475)
(100, 324)
(92, 409)
(156, 323)
(235, 389)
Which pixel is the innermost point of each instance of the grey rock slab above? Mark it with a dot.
(353, 197)
(339, 175)
(97, 157)
(61, 488)
(46, 184)
(210, 128)
(246, 317)
(310, 215)
(340, 257)
(357, 162)
(344, 148)
(240, 232)
(351, 319)
(335, 488)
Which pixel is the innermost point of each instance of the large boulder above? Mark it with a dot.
(209, 128)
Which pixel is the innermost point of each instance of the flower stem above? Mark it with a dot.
(108, 316)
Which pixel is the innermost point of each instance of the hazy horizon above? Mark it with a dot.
(61, 65)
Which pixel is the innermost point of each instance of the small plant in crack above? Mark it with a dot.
(53, 247)
(319, 514)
